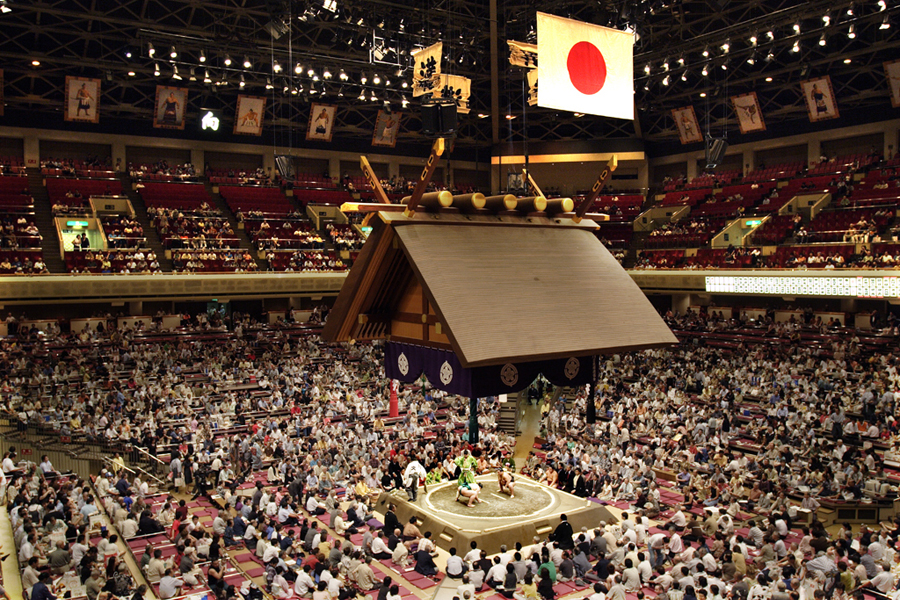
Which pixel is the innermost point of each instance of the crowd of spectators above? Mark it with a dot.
(19, 231)
(70, 166)
(304, 261)
(121, 262)
(285, 234)
(345, 237)
(18, 263)
(210, 260)
(752, 436)
(123, 231)
(183, 172)
(256, 176)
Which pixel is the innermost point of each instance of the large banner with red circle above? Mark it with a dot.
(585, 68)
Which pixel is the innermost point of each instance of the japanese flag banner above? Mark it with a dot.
(585, 68)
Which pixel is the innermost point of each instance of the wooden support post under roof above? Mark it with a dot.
(437, 149)
(532, 183)
(582, 208)
(369, 172)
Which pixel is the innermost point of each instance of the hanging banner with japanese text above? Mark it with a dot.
(427, 70)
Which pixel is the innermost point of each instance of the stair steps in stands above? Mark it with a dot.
(43, 218)
(246, 242)
(140, 213)
(508, 417)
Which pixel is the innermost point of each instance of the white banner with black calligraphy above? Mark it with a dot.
(532, 86)
(427, 71)
(457, 88)
(522, 54)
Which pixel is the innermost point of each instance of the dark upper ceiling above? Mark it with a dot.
(91, 38)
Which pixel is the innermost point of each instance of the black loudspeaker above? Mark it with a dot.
(448, 118)
(285, 167)
(431, 118)
(439, 119)
(715, 152)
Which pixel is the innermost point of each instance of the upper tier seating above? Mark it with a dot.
(183, 196)
(265, 201)
(75, 193)
(811, 256)
(313, 181)
(305, 261)
(780, 171)
(774, 231)
(685, 234)
(842, 164)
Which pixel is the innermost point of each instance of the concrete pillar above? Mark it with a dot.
(136, 308)
(891, 142)
(814, 150)
(749, 161)
(473, 420)
(495, 179)
(198, 159)
(118, 153)
(334, 168)
(393, 168)
(268, 163)
(32, 151)
(643, 180)
(692, 167)
(680, 303)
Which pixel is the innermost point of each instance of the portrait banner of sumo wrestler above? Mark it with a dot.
(321, 123)
(748, 112)
(248, 115)
(386, 127)
(171, 106)
(820, 102)
(892, 72)
(688, 128)
(82, 100)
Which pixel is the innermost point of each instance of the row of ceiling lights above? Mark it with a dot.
(755, 41)
(668, 70)
(315, 75)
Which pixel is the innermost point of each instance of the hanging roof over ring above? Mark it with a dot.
(493, 288)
